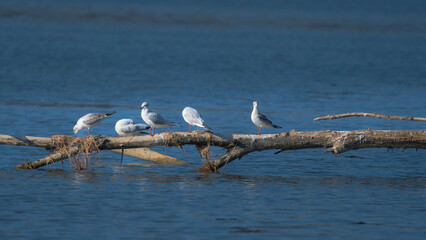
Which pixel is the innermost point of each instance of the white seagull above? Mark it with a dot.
(90, 120)
(260, 120)
(154, 119)
(192, 117)
(126, 127)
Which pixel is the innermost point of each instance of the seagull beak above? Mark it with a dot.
(140, 107)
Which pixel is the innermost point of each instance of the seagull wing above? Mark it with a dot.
(93, 118)
(129, 129)
(157, 119)
(192, 115)
(264, 119)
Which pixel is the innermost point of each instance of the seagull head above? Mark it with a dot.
(144, 105)
(76, 129)
(255, 104)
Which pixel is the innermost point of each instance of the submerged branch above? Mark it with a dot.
(150, 155)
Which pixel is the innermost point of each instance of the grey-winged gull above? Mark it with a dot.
(90, 120)
(126, 127)
(260, 120)
(193, 117)
(154, 119)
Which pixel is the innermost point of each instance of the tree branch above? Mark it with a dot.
(232, 154)
(345, 115)
(238, 145)
(55, 157)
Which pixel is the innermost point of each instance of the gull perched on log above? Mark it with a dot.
(90, 120)
(154, 119)
(126, 127)
(193, 117)
(260, 120)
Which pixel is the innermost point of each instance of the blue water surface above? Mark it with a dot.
(299, 59)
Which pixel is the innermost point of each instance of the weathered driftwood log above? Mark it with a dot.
(345, 115)
(238, 145)
(45, 142)
(109, 143)
(338, 141)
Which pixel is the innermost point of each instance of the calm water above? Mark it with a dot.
(62, 59)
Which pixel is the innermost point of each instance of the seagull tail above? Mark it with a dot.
(110, 113)
(207, 127)
(275, 126)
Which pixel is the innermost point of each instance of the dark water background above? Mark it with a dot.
(298, 59)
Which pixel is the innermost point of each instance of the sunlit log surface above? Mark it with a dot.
(238, 145)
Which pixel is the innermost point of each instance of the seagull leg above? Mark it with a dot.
(189, 127)
(154, 132)
(88, 132)
(150, 129)
(195, 126)
(122, 152)
(258, 131)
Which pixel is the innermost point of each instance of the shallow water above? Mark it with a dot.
(62, 59)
